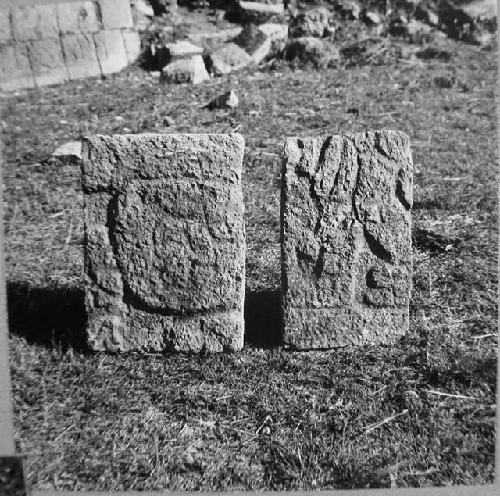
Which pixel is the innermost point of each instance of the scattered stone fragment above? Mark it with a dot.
(313, 22)
(164, 242)
(258, 12)
(228, 58)
(69, 153)
(228, 100)
(311, 51)
(191, 70)
(346, 239)
(371, 17)
(178, 50)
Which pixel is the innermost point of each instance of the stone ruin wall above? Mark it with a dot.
(53, 41)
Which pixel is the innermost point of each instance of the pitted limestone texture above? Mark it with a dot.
(164, 242)
(346, 239)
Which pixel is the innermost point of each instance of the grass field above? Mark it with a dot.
(419, 413)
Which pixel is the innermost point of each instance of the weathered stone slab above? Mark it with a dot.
(178, 50)
(78, 17)
(346, 239)
(47, 62)
(164, 242)
(34, 22)
(116, 14)
(132, 42)
(15, 69)
(80, 54)
(110, 51)
(5, 32)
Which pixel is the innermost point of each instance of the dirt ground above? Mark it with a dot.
(419, 413)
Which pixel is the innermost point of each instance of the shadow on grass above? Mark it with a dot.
(263, 318)
(52, 317)
(55, 317)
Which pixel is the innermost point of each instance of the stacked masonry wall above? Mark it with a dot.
(52, 42)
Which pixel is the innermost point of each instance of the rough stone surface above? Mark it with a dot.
(110, 51)
(132, 42)
(34, 22)
(228, 58)
(164, 242)
(191, 70)
(346, 239)
(15, 69)
(116, 14)
(77, 17)
(80, 54)
(47, 62)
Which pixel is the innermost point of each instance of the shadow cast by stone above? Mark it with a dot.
(52, 317)
(263, 326)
